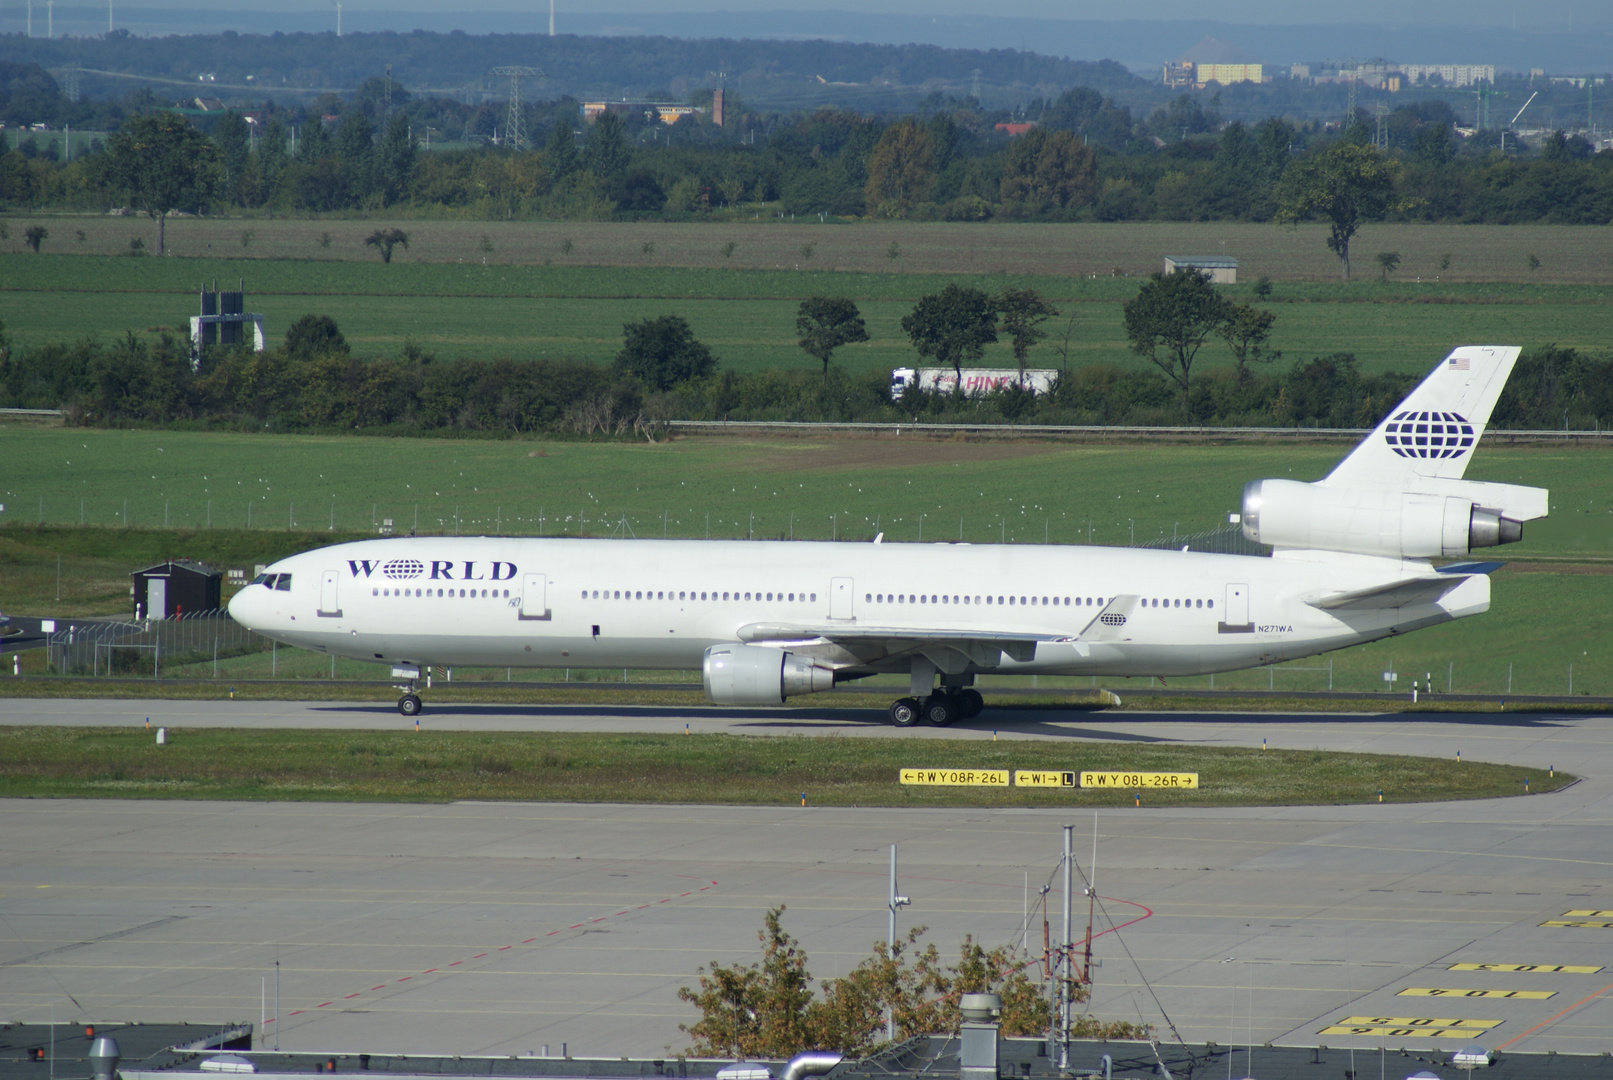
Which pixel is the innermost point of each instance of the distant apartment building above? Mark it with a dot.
(652, 110)
(1449, 74)
(1183, 74)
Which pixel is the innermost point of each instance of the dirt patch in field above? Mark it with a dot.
(886, 453)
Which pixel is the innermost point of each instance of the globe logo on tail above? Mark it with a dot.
(1429, 434)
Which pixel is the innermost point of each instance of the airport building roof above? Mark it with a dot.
(193, 1051)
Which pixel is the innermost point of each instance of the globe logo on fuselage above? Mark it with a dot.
(403, 569)
(1429, 434)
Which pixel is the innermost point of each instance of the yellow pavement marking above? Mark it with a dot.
(1538, 969)
(1586, 913)
(1582, 924)
(1530, 995)
(1417, 1021)
(1402, 1032)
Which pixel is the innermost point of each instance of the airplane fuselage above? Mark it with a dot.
(660, 604)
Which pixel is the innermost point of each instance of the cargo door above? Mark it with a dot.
(841, 594)
(535, 597)
(329, 601)
(1235, 616)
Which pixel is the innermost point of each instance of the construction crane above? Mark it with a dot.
(514, 128)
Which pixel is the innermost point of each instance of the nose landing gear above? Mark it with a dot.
(409, 704)
(408, 700)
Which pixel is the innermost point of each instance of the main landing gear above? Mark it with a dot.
(940, 708)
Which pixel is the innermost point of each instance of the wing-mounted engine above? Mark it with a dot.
(757, 675)
(1446, 518)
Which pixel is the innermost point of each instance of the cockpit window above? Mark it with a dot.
(283, 583)
(263, 579)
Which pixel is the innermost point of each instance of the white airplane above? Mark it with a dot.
(768, 620)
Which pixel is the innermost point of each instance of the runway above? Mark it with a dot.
(501, 928)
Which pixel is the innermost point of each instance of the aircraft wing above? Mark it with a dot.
(984, 647)
(1422, 590)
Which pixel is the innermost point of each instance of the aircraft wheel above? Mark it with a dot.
(409, 705)
(941, 709)
(905, 712)
(972, 703)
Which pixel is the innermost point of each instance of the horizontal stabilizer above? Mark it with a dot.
(1471, 568)
(1396, 594)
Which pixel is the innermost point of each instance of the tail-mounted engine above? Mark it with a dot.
(1449, 518)
(757, 675)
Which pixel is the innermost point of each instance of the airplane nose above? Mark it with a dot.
(246, 607)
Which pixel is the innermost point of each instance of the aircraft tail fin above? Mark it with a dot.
(1432, 432)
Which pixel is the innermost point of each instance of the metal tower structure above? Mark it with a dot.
(514, 129)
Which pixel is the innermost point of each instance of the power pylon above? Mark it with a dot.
(514, 129)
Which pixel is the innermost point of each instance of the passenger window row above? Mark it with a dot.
(650, 594)
(486, 594)
(1157, 602)
(1000, 601)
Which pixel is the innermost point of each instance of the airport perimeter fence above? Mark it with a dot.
(210, 644)
(145, 647)
(492, 518)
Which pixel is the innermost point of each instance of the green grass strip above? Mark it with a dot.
(426, 766)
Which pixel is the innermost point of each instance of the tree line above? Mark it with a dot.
(1087, 158)
(312, 382)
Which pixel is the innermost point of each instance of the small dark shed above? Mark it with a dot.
(175, 588)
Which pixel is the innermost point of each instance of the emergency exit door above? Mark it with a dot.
(841, 594)
(535, 597)
(329, 606)
(1235, 614)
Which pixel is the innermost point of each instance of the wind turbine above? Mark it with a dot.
(338, 4)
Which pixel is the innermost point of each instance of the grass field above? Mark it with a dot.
(1483, 253)
(1551, 607)
(222, 763)
(527, 300)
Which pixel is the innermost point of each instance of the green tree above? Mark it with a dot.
(1345, 185)
(663, 352)
(827, 322)
(313, 142)
(314, 335)
(605, 153)
(35, 235)
(1246, 331)
(951, 326)
(560, 152)
(1170, 318)
(162, 163)
(1388, 263)
(1049, 170)
(272, 155)
(901, 169)
(234, 149)
(768, 1009)
(384, 240)
(395, 158)
(1022, 313)
(755, 1010)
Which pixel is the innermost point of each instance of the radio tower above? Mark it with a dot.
(514, 129)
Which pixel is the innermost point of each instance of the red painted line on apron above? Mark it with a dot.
(551, 933)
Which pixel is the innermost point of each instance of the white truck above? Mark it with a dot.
(976, 381)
